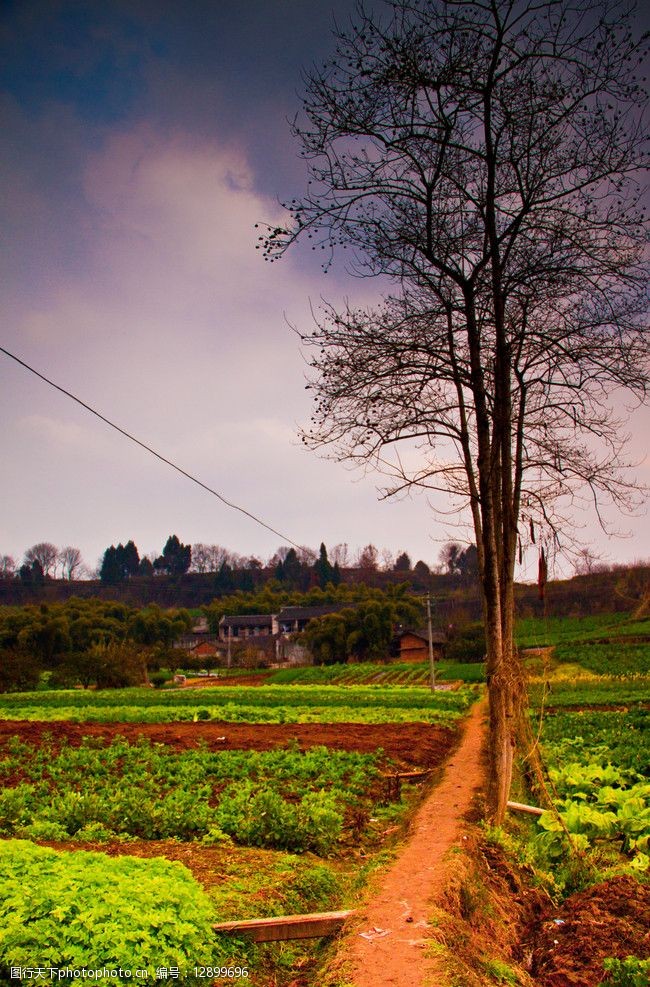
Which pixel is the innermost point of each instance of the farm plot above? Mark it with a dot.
(590, 691)
(270, 818)
(403, 674)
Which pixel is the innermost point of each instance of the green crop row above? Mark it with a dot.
(263, 704)
(283, 798)
(591, 690)
(405, 674)
(236, 714)
(251, 696)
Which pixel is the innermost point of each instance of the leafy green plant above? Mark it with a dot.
(88, 911)
(630, 972)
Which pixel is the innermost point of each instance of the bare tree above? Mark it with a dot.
(340, 555)
(209, 558)
(587, 562)
(279, 555)
(200, 558)
(367, 559)
(45, 553)
(387, 559)
(486, 158)
(70, 560)
(7, 567)
(307, 556)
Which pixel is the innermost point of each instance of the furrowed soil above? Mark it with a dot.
(407, 745)
(568, 947)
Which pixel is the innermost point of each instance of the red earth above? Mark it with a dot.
(409, 746)
(609, 919)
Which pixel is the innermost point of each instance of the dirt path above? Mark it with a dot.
(416, 878)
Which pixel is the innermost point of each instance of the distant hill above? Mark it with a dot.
(620, 588)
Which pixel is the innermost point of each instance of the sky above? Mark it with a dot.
(141, 142)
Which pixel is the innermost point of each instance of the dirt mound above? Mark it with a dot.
(609, 919)
(408, 745)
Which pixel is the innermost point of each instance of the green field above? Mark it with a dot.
(369, 673)
(282, 831)
(537, 632)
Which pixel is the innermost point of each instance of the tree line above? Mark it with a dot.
(88, 642)
(108, 644)
(298, 568)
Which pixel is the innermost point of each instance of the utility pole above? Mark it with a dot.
(229, 654)
(432, 667)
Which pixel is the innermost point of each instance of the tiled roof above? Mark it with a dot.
(247, 620)
(437, 637)
(307, 613)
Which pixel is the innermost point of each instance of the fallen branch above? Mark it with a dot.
(532, 810)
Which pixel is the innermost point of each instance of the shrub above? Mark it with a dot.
(467, 644)
(630, 972)
(88, 911)
(261, 817)
(19, 670)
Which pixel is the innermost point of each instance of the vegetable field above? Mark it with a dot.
(596, 747)
(257, 792)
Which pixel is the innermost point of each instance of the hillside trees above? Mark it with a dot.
(85, 641)
(45, 554)
(176, 558)
(459, 561)
(484, 158)
(362, 632)
(119, 563)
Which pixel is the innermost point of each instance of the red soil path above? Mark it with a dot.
(402, 903)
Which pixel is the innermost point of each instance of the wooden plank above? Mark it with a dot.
(409, 775)
(532, 810)
(286, 927)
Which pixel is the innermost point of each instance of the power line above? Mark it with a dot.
(143, 445)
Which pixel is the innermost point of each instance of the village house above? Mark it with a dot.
(271, 638)
(245, 626)
(413, 645)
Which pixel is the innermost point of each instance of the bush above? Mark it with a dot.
(89, 911)
(158, 679)
(630, 972)
(19, 670)
(261, 817)
(467, 644)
